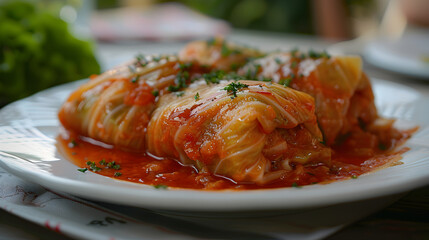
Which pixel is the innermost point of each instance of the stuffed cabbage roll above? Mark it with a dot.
(342, 92)
(218, 54)
(116, 106)
(247, 131)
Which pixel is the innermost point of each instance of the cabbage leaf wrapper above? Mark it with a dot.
(342, 92)
(254, 134)
(115, 107)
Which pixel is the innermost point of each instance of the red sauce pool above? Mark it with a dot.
(160, 172)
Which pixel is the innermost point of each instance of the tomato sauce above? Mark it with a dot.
(162, 172)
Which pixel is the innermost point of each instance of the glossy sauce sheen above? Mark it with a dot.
(142, 168)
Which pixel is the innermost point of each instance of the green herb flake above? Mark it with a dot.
(184, 66)
(234, 87)
(314, 54)
(134, 79)
(72, 144)
(161, 186)
(102, 162)
(226, 51)
(214, 77)
(172, 88)
(156, 58)
(95, 168)
(310, 173)
(116, 166)
(180, 81)
(295, 185)
(278, 61)
(82, 169)
(155, 93)
(293, 64)
(117, 174)
(285, 82)
(354, 177)
(197, 96)
(141, 60)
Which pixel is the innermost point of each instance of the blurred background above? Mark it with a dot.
(45, 43)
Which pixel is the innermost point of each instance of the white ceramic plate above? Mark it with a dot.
(407, 55)
(27, 149)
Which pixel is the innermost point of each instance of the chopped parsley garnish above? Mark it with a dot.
(82, 169)
(354, 177)
(113, 165)
(134, 79)
(234, 87)
(117, 174)
(184, 66)
(314, 54)
(180, 81)
(278, 61)
(197, 96)
(93, 166)
(102, 162)
(155, 93)
(216, 76)
(72, 144)
(293, 64)
(295, 185)
(285, 82)
(226, 51)
(160, 186)
(141, 60)
(156, 59)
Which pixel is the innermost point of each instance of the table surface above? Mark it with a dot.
(406, 218)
